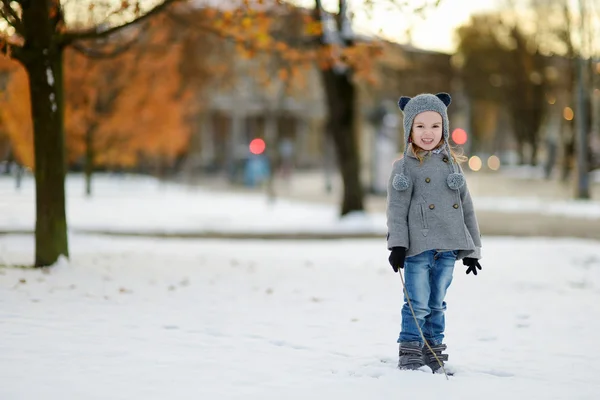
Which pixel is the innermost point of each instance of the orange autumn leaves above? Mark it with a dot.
(15, 115)
(141, 104)
(131, 106)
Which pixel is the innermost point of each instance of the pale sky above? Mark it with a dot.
(435, 32)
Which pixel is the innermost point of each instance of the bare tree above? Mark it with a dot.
(39, 38)
(341, 90)
(504, 65)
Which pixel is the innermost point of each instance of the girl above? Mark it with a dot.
(431, 224)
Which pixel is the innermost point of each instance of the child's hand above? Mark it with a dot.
(473, 265)
(397, 257)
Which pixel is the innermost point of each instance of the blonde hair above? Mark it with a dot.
(420, 154)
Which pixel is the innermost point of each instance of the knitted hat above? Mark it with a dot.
(411, 107)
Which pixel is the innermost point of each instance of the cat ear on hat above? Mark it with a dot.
(403, 102)
(445, 98)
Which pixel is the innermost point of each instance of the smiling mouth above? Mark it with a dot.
(427, 141)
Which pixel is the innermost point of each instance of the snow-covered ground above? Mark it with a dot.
(189, 319)
(139, 205)
(537, 172)
(203, 319)
(532, 205)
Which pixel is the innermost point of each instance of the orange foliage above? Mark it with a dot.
(15, 113)
(277, 37)
(137, 104)
(362, 57)
(289, 36)
(143, 115)
(149, 117)
(140, 103)
(131, 106)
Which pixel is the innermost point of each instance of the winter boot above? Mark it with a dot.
(410, 356)
(430, 359)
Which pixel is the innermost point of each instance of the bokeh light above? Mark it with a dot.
(475, 163)
(459, 136)
(493, 163)
(257, 146)
(568, 113)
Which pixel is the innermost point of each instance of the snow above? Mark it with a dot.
(146, 205)
(528, 172)
(143, 205)
(53, 101)
(569, 208)
(144, 318)
(207, 319)
(50, 76)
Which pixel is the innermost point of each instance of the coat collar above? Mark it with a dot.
(439, 151)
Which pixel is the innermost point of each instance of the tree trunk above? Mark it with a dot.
(520, 150)
(568, 158)
(19, 176)
(534, 152)
(341, 95)
(10, 161)
(89, 158)
(44, 68)
(531, 131)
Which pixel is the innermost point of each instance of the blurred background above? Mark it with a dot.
(297, 99)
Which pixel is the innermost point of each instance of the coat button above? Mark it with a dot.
(431, 206)
(427, 180)
(455, 206)
(445, 159)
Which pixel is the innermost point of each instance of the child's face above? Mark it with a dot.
(427, 130)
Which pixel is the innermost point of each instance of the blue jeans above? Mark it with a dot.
(428, 276)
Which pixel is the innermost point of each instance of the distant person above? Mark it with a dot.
(431, 224)
(286, 154)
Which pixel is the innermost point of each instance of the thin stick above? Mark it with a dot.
(417, 323)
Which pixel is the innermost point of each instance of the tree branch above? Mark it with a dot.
(296, 42)
(10, 16)
(98, 54)
(185, 21)
(94, 33)
(11, 50)
(318, 16)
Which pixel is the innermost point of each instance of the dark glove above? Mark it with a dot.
(473, 265)
(397, 257)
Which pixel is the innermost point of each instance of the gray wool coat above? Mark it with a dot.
(429, 215)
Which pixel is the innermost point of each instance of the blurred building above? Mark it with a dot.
(263, 96)
(284, 110)
(248, 109)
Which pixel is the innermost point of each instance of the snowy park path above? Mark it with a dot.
(190, 319)
(134, 205)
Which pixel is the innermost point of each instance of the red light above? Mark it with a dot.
(459, 136)
(257, 146)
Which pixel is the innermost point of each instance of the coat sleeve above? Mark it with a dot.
(471, 220)
(398, 203)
